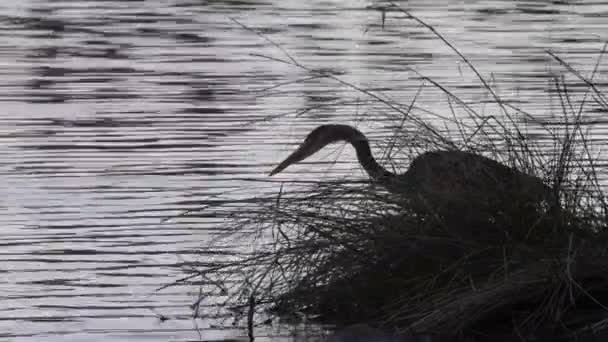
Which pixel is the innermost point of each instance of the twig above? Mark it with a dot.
(446, 42)
(590, 84)
(250, 316)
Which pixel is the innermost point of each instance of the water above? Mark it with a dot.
(118, 114)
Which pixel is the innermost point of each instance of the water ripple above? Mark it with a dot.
(117, 115)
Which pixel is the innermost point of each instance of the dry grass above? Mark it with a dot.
(347, 252)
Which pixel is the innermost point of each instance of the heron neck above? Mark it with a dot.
(369, 163)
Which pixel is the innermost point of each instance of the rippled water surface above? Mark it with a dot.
(117, 114)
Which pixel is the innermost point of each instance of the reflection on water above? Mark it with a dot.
(118, 114)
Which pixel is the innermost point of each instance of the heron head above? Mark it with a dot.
(316, 140)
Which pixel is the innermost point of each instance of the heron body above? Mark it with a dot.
(442, 179)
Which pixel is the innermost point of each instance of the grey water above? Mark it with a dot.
(118, 114)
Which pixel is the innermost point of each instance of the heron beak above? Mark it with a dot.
(293, 158)
(278, 169)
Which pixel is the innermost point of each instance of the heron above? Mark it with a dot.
(441, 177)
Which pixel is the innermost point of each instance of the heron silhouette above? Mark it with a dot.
(445, 178)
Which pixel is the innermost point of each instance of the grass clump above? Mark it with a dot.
(349, 252)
